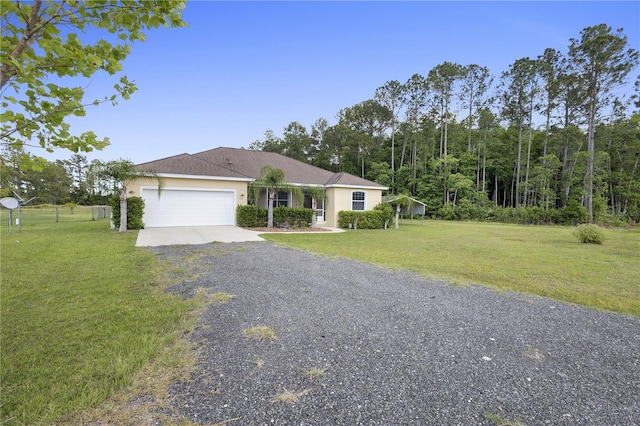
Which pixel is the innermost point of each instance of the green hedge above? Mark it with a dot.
(283, 217)
(377, 218)
(135, 209)
(251, 216)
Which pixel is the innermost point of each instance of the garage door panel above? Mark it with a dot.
(182, 207)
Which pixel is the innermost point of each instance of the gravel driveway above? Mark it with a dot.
(362, 345)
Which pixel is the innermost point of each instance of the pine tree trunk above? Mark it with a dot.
(590, 160)
(518, 167)
(393, 155)
(404, 149)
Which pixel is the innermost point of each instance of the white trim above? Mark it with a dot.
(363, 201)
(201, 177)
(248, 179)
(321, 212)
(307, 185)
(185, 188)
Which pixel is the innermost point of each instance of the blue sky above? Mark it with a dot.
(244, 67)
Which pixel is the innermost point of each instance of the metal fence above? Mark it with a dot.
(30, 215)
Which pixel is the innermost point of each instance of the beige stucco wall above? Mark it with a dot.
(134, 188)
(340, 199)
(337, 198)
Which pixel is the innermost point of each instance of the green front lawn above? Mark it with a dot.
(82, 310)
(541, 260)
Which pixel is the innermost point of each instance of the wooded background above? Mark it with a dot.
(557, 132)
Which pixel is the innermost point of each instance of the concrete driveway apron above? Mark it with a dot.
(191, 235)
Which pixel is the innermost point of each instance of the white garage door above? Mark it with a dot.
(187, 207)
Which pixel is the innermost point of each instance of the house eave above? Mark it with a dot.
(306, 185)
(202, 177)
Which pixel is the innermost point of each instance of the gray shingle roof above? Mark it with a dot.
(244, 163)
(187, 164)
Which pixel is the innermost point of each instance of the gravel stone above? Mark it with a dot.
(398, 349)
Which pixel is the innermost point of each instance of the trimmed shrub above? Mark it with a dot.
(135, 210)
(298, 217)
(387, 213)
(251, 216)
(347, 219)
(370, 219)
(283, 217)
(589, 234)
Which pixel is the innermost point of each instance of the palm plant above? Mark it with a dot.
(272, 180)
(399, 201)
(316, 194)
(122, 172)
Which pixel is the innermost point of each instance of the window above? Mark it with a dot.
(357, 200)
(282, 199)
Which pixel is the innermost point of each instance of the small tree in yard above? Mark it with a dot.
(272, 180)
(401, 200)
(123, 172)
(316, 194)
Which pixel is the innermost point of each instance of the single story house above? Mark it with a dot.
(205, 188)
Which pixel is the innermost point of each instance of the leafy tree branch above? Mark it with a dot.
(43, 44)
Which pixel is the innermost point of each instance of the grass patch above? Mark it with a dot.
(146, 401)
(258, 362)
(226, 422)
(83, 311)
(534, 354)
(220, 297)
(260, 332)
(501, 421)
(540, 260)
(316, 372)
(289, 397)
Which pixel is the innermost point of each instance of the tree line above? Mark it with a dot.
(75, 180)
(551, 132)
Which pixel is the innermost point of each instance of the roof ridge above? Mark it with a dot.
(335, 177)
(218, 164)
(161, 159)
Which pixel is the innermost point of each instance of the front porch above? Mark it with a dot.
(290, 200)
